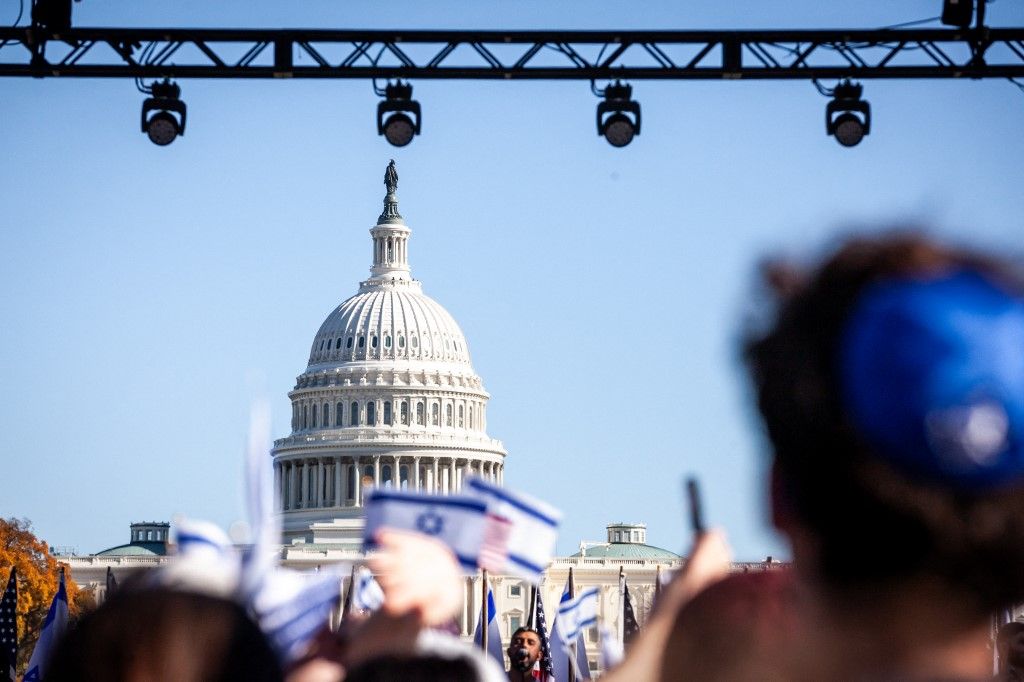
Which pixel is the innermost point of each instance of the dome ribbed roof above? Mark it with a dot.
(389, 321)
(626, 550)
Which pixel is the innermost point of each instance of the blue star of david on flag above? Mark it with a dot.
(430, 523)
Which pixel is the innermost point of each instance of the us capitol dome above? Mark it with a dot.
(389, 398)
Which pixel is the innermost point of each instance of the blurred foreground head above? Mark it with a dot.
(160, 634)
(892, 389)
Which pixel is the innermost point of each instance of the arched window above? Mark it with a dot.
(403, 412)
(403, 477)
(362, 342)
(353, 416)
(391, 255)
(313, 421)
(373, 341)
(322, 344)
(326, 417)
(435, 414)
(348, 344)
(401, 341)
(387, 341)
(385, 476)
(471, 424)
(305, 415)
(415, 341)
(447, 415)
(462, 416)
(339, 410)
(387, 413)
(419, 412)
(337, 344)
(371, 413)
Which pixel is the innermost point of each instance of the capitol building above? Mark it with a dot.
(389, 398)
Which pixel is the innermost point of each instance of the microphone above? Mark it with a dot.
(520, 659)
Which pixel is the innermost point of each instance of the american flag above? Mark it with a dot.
(9, 629)
(630, 627)
(494, 548)
(543, 671)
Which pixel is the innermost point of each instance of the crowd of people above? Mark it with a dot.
(891, 387)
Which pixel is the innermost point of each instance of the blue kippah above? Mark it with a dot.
(932, 376)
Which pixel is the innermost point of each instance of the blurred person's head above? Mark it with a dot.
(524, 648)
(892, 390)
(739, 628)
(153, 634)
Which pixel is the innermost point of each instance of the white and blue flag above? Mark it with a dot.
(494, 648)
(531, 528)
(53, 630)
(292, 607)
(575, 615)
(367, 596)
(458, 521)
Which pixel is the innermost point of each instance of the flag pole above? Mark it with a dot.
(572, 645)
(484, 625)
(622, 608)
(346, 605)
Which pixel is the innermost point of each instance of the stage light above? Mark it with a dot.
(614, 121)
(404, 122)
(958, 12)
(847, 116)
(163, 126)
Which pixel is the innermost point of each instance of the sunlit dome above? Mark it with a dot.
(388, 399)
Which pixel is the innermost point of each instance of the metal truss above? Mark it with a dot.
(558, 55)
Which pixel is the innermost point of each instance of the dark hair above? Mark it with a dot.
(872, 526)
(523, 629)
(160, 634)
(413, 669)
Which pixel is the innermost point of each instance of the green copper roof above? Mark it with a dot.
(626, 550)
(136, 549)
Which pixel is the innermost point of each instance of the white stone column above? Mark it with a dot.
(293, 494)
(304, 485)
(338, 469)
(357, 495)
(415, 473)
(277, 487)
(435, 478)
(376, 471)
(396, 474)
(319, 497)
(452, 484)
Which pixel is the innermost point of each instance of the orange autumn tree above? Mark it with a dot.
(38, 576)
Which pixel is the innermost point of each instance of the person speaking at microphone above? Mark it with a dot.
(523, 652)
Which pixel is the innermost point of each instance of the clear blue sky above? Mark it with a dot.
(148, 294)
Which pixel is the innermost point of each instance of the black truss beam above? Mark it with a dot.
(557, 55)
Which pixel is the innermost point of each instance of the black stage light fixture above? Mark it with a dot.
(53, 16)
(163, 126)
(404, 121)
(847, 116)
(958, 12)
(613, 115)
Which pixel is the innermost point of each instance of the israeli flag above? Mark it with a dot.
(494, 648)
(577, 613)
(611, 648)
(366, 593)
(53, 630)
(532, 528)
(456, 520)
(563, 669)
(292, 607)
